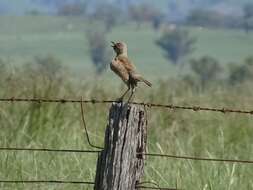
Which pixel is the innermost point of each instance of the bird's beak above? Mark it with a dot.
(113, 43)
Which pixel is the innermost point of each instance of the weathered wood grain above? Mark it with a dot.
(118, 166)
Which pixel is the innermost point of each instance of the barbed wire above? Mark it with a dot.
(140, 186)
(74, 183)
(199, 158)
(145, 154)
(94, 101)
(160, 188)
(47, 181)
(49, 150)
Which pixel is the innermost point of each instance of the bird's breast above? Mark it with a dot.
(120, 70)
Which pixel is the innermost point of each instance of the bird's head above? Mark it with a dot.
(119, 48)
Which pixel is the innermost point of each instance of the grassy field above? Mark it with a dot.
(33, 125)
(22, 38)
(204, 134)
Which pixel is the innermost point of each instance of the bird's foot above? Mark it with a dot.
(119, 100)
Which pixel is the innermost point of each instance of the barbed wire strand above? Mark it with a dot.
(49, 150)
(93, 101)
(198, 158)
(140, 186)
(71, 182)
(85, 127)
(146, 154)
(148, 182)
(159, 188)
(47, 181)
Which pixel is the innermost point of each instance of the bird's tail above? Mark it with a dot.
(145, 81)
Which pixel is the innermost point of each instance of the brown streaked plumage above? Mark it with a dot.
(124, 68)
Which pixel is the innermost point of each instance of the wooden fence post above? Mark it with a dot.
(118, 166)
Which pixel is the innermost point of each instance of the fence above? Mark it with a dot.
(140, 185)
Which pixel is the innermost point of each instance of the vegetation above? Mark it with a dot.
(207, 69)
(248, 17)
(177, 132)
(72, 9)
(144, 12)
(212, 18)
(98, 49)
(176, 43)
(241, 73)
(108, 13)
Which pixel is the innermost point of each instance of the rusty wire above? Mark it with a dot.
(198, 158)
(93, 101)
(145, 154)
(48, 150)
(72, 182)
(159, 188)
(141, 186)
(47, 181)
(148, 182)
(85, 127)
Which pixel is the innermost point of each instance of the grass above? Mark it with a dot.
(204, 134)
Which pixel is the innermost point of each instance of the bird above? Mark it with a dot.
(125, 69)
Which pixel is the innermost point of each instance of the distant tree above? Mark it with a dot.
(213, 18)
(110, 14)
(204, 17)
(248, 17)
(157, 20)
(176, 43)
(71, 9)
(98, 49)
(55, 3)
(207, 69)
(242, 72)
(145, 13)
(34, 12)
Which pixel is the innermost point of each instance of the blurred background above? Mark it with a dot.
(166, 38)
(195, 52)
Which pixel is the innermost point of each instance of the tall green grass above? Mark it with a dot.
(55, 125)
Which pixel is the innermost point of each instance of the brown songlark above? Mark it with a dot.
(124, 68)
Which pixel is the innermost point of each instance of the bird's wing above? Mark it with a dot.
(119, 69)
(127, 64)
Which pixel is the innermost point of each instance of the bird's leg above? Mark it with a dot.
(121, 98)
(133, 88)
